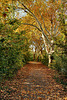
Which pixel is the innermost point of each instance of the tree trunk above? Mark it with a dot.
(49, 58)
(34, 54)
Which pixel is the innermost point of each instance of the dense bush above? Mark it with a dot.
(13, 51)
(26, 58)
(45, 59)
(31, 57)
(60, 63)
(8, 59)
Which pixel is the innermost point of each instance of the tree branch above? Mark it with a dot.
(57, 34)
(36, 21)
(55, 29)
(44, 23)
(31, 25)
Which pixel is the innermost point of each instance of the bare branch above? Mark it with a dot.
(55, 30)
(20, 8)
(24, 10)
(57, 34)
(29, 11)
(31, 25)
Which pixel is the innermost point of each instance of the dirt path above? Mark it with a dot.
(33, 82)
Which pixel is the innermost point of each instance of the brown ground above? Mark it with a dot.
(33, 82)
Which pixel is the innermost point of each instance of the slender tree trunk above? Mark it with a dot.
(34, 54)
(49, 58)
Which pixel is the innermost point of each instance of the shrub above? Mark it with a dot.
(60, 63)
(45, 60)
(11, 55)
(10, 61)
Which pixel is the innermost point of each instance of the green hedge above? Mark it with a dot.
(13, 51)
(60, 63)
(10, 61)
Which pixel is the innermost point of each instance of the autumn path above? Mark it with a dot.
(33, 82)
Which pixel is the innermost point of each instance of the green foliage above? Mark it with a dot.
(60, 56)
(31, 56)
(13, 51)
(57, 63)
(45, 60)
(8, 59)
(13, 21)
(26, 58)
(1, 25)
(60, 63)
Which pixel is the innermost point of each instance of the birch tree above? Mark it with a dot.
(41, 15)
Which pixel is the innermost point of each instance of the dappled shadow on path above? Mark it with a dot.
(33, 82)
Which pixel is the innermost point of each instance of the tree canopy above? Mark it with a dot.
(42, 24)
